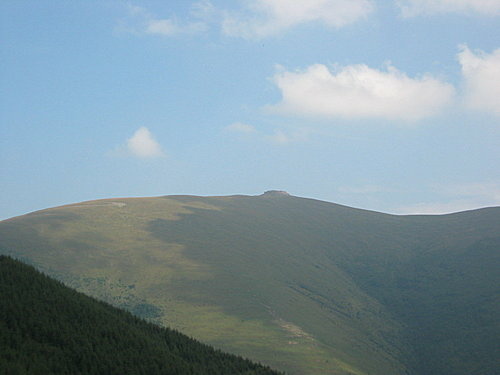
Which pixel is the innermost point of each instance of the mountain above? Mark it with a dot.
(304, 286)
(48, 328)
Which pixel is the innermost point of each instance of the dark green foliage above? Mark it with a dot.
(48, 328)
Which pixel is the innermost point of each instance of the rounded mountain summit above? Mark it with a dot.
(275, 193)
(305, 286)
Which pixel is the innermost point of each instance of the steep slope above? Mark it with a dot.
(47, 328)
(303, 285)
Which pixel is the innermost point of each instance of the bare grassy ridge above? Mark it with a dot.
(305, 286)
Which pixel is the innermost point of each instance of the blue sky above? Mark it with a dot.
(386, 105)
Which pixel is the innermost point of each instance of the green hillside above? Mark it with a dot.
(305, 286)
(47, 328)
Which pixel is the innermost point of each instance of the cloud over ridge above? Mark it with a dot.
(358, 91)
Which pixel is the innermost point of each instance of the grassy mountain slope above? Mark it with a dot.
(303, 285)
(47, 328)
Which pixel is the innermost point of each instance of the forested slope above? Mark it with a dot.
(48, 328)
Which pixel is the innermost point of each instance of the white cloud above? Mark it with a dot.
(163, 27)
(282, 137)
(141, 21)
(203, 10)
(410, 8)
(260, 18)
(240, 127)
(170, 27)
(481, 74)
(143, 145)
(358, 91)
(270, 17)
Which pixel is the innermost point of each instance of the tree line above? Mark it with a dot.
(48, 328)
